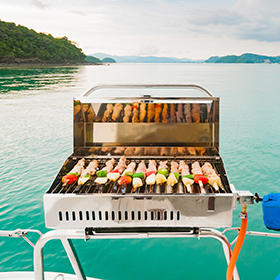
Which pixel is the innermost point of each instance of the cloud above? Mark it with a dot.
(258, 20)
(148, 50)
(38, 4)
(194, 28)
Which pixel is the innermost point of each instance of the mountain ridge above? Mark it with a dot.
(144, 59)
(244, 58)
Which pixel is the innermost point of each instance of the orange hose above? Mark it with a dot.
(237, 247)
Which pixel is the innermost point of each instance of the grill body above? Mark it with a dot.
(190, 132)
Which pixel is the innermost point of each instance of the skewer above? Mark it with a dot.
(198, 177)
(161, 176)
(213, 179)
(126, 177)
(184, 170)
(86, 174)
(150, 176)
(73, 175)
(139, 176)
(102, 175)
(115, 174)
(173, 177)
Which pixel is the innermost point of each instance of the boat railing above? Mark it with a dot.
(67, 235)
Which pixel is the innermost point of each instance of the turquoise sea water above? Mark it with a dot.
(36, 138)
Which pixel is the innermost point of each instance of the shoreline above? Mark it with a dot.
(47, 65)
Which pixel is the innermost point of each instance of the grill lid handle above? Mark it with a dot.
(156, 86)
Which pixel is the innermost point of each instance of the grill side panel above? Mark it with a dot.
(107, 211)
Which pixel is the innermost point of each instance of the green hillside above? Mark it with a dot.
(92, 59)
(18, 44)
(244, 58)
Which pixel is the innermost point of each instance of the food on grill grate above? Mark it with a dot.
(184, 170)
(126, 177)
(173, 177)
(213, 178)
(102, 174)
(150, 175)
(139, 176)
(196, 170)
(88, 172)
(76, 171)
(161, 177)
(116, 172)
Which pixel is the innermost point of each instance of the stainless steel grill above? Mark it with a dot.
(143, 128)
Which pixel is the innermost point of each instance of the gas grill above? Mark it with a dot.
(166, 123)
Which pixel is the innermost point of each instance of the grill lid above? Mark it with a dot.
(141, 115)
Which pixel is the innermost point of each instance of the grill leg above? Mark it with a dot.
(68, 246)
(73, 258)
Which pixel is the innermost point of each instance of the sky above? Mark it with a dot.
(195, 29)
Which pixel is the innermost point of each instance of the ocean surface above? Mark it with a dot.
(36, 138)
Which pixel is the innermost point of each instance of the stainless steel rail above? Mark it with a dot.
(66, 235)
(153, 86)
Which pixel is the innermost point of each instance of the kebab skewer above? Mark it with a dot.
(74, 173)
(126, 177)
(139, 176)
(87, 174)
(161, 176)
(102, 175)
(151, 175)
(173, 177)
(213, 179)
(185, 175)
(198, 177)
(115, 174)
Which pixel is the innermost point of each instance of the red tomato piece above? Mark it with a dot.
(69, 179)
(149, 173)
(114, 171)
(124, 180)
(202, 178)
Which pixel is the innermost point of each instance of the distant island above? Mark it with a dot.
(144, 59)
(244, 58)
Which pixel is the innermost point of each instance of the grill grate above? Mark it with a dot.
(91, 187)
